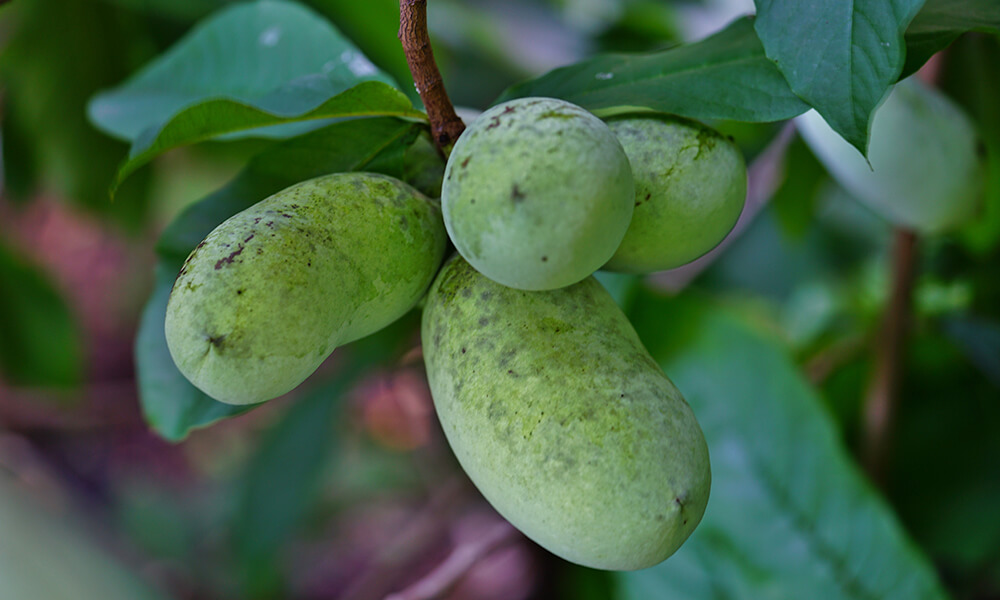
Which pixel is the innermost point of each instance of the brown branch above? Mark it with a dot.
(445, 124)
(459, 562)
(881, 400)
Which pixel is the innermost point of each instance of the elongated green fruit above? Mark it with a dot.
(272, 291)
(690, 186)
(563, 420)
(537, 193)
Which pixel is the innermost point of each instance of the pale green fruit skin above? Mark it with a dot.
(690, 187)
(925, 172)
(562, 419)
(273, 290)
(537, 193)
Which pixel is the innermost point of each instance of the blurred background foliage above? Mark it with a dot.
(346, 488)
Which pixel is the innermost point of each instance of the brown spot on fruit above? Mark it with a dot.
(516, 195)
(229, 259)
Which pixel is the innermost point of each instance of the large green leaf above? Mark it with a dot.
(724, 76)
(278, 487)
(171, 405)
(363, 144)
(281, 481)
(251, 66)
(789, 516)
(939, 22)
(39, 342)
(246, 53)
(839, 56)
(373, 25)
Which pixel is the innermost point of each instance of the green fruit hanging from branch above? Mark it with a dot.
(563, 421)
(537, 193)
(273, 290)
(690, 185)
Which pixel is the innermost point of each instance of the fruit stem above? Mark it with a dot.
(881, 400)
(446, 126)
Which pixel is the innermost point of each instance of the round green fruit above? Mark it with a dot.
(561, 418)
(537, 193)
(273, 290)
(690, 186)
(923, 170)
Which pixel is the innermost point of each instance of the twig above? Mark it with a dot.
(458, 563)
(412, 539)
(446, 126)
(881, 398)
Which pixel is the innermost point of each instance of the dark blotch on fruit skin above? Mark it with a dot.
(516, 195)
(228, 260)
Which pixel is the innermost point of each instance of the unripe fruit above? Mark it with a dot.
(537, 193)
(925, 172)
(690, 186)
(562, 419)
(273, 290)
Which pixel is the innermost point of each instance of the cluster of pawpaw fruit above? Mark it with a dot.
(550, 402)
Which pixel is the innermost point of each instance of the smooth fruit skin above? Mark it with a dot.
(273, 290)
(925, 170)
(562, 419)
(690, 187)
(537, 193)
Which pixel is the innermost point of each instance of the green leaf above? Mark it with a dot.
(789, 516)
(724, 76)
(247, 53)
(281, 481)
(840, 57)
(279, 485)
(252, 66)
(373, 25)
(360, 145)
(171, 405)
(213, 117)
(39, 342)
(939, 22)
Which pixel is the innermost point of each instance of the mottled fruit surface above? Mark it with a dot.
(273, 290)
(690, 186)
(563, 420)
(537, 193)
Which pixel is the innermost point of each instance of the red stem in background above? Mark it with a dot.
(446, 126)
(881, 398)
